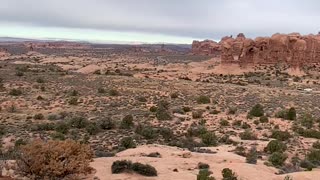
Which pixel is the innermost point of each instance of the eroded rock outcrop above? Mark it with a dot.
(206, 47)
(293, 49)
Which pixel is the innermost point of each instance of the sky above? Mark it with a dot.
(155, 21)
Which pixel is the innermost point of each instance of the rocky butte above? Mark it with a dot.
(293, 49)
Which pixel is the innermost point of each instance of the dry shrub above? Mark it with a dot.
(54, 159)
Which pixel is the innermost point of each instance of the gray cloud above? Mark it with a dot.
(191, 18)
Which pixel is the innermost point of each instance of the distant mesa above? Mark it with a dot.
(293, 49)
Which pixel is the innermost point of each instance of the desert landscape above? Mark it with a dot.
(180, 112)
(159, 90)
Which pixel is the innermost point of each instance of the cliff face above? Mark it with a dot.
(293, 49)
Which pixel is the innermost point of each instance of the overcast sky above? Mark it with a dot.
(177, 21)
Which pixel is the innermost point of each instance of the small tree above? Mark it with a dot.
(276, 146)
(257, 111)
(209, 139)
(292, 115)
(277, 158)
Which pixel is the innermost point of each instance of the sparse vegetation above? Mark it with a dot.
(127, 166)
(203, 99)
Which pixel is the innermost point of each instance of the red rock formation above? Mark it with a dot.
(206, 47)
(293, 49)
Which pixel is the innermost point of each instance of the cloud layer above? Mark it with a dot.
(188, 18)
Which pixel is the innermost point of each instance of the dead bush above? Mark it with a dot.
(54, 159)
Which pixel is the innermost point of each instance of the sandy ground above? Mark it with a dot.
(187, 167)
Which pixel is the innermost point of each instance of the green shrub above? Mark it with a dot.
(209, 139)
(288, 114)
(127, 122)
(106, 124)
(245, 125)
(44, 127)
(101, 90)
(227, 174)
(62, 127)
(197, 114)
(162, 113)
(277, 158)
(153, 109)
(53, 117)
(38, 116)
(247, 135)
(40, 80)
(121, 166)
(127, 166)
(113, 92)
(280, 135)
(148, 132)
(292, 114)
(309, 133)
(197, 131)
(232, 110)
(58, 136)
(74, 93)
(166, 133)
(257, 111)
(240, 150)
(203, 165)
(78, 122)
(73, 101)
(142, 99)
(224, 122)
(203, 99)
(307, 165)
(92, 128)
(19, 73)
(314, 157)
(127, 142)
(316, 145)
(276, 146)
(40, 98)
(307, 121)
(252, 156)
(15, 92)
(174, 95)
(19, 143)
(264, 119)
(204, 174)
(144, 169)
(186, 109)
